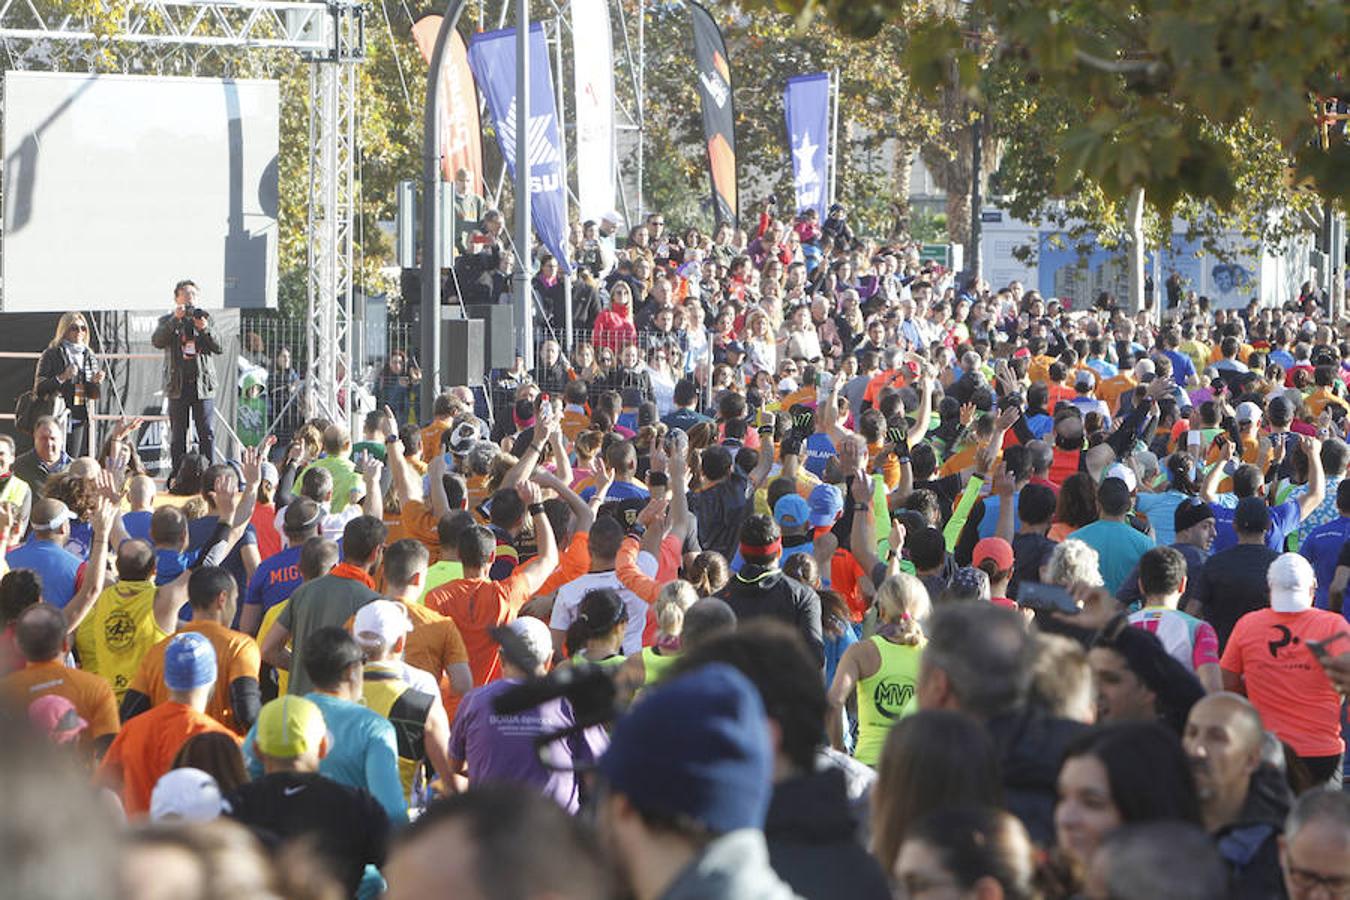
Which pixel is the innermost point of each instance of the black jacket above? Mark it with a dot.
(172, 335)
(53, 363)
(1030, 749)
(757, 591)
(1249, 846)
(813, 843)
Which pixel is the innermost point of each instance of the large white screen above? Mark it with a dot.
(117, 186)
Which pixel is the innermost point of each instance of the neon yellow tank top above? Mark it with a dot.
(886, 696)
(655, 666)
(118, 632)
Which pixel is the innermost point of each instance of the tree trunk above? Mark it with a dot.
(1134, 218)
(904, 167)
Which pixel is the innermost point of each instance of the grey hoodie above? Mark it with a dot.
(735, 866)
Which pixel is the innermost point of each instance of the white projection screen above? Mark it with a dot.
(118, 186)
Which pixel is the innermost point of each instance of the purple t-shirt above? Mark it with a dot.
(501, 748)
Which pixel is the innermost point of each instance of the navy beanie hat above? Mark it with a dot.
(697, 748)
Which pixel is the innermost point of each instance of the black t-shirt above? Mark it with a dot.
(349, 827)
(1030, 551)
(1232, 584)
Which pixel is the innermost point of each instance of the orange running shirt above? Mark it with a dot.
(145, 747)
(237, 657)
(91, 696)
(1284, 680)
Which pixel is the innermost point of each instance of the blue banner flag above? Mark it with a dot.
(807, 104)
(492, 57)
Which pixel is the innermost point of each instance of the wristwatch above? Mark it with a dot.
(861, 507)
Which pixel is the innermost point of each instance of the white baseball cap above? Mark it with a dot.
(188, 795)
(536, 636)
(381, 621)
(1291, 579)
(1248, 411)
(1124, 473)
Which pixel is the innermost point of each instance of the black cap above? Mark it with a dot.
(1252, 515)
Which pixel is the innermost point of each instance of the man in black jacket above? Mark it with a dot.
(188, 341)
(1243, 800)
(811, 830)
(760, 589)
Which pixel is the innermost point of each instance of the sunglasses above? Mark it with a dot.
(78, 328)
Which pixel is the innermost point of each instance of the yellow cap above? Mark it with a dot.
(289, 727)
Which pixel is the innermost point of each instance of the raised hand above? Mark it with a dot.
(967, 414)
(529, 493)
(861, 489)
(653, 515)
(226, 493)
(373, 469)
(1004, 484)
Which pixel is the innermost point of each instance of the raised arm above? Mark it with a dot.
(582, 515)
(925, 410)
(373, 502)
(1004, 488)
(1209, 488)
(1317, 477)
(536, 571)
(760, 473)
(863, 537)
(106, 512)
(827, 408)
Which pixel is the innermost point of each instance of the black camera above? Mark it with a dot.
(193, 312)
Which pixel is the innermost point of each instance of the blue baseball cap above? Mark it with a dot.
(189, 662)
(791, 511)
(826, 504)
(696, 747)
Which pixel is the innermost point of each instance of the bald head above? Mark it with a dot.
(40, 633)
(50, 519)
(1231, 709)
(141, 491)
(135, 561)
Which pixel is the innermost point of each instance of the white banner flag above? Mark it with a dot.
(593, 52)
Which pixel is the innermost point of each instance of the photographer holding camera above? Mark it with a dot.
(188, 342)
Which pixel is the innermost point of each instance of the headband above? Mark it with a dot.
(773, 548)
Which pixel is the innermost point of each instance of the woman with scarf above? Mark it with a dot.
(69, 368)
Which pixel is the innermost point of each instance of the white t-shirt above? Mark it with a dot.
(333, 523)
(568, 599)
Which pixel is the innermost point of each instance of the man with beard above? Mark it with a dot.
(1242, 800)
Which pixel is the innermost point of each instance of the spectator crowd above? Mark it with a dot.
(803, 569)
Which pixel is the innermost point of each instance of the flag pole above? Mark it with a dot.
(834, 136)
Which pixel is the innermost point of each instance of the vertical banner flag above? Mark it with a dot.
(719, 112)
(459, 142)
(492, 57)
(593, 63)
(806, 102)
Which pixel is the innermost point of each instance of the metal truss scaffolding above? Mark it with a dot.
(226, 38)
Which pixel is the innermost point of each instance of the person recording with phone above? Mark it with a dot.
(188, 341)
(70, 369)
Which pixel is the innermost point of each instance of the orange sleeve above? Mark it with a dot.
(890, 471)
(246, 661)
(419, 522)
(672, 553)
(102, 710)
(573, 563)
(630, 576)
(145, 673)
(453, 649)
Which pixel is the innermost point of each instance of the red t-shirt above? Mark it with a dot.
(1284, 680)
